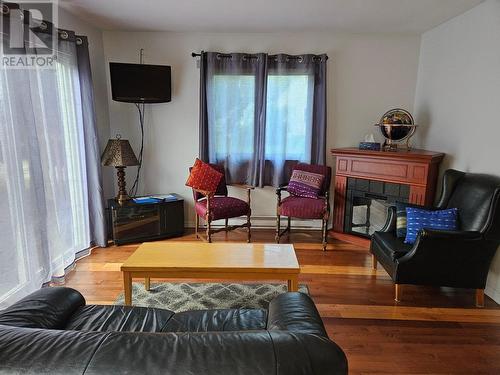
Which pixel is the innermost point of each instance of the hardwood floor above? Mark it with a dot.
(433, 330)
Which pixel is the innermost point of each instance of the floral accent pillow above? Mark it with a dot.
(305, 184)
(203, 177)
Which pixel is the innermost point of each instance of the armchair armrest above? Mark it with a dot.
(249, 188)
(390, 224)
(447, 258)
(432, 244)
(206, 193)
(295, 312)
(450, 234)
(243, 186)
(281, 188)
(48, 308)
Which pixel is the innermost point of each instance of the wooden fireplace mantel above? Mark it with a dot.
(416, 168)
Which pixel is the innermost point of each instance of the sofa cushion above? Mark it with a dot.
(217, 320)
(305, 208)
(222, 207)
(36, 351)
(119, 318)
(391, 245)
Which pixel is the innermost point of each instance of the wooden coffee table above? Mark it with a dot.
(198, 260)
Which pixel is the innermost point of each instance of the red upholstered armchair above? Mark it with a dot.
(305, 208)
(217, 206)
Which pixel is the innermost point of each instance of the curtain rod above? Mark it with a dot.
(195, 54)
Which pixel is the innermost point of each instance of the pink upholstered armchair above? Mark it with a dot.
(217, 206)
(305, 208)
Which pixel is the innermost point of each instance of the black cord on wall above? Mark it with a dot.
(135, 187)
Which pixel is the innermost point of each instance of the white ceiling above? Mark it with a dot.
(353, 16)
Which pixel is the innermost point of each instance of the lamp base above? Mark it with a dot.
(120, 198)
(122, 192)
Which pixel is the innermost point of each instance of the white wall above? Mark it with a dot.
(96, 52)
(457, 100)
(367, 75)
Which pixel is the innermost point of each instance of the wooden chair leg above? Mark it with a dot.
(324, 224)
(196, 224)
(209, 233)
(277, 237)
(479, 297)
(398, 291)
(249, 229)
(374, 262)
(226, 222)
(289, 221)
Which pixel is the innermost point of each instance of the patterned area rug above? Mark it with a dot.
(200, 296)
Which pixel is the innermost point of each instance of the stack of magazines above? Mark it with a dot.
(155, 199)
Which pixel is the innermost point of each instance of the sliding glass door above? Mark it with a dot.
(44, 221)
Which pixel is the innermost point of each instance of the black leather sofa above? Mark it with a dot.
(53, 331)
(459, 259)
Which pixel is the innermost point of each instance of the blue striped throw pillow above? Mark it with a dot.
(418, 219)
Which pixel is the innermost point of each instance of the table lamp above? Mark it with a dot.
(119, 154)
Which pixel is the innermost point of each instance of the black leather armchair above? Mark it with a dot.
(458, 259)
(52, 331)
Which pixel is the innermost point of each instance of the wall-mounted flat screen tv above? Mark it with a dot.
(140, 83)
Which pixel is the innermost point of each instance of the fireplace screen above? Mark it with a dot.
(367, 202)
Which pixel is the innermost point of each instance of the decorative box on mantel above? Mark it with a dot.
(367, 181)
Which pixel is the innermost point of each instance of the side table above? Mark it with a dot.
(139, 222)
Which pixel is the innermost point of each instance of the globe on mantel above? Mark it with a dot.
(396, 126)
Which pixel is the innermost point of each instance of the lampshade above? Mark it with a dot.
(118, 153)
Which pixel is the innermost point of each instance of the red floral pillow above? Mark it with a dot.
(203, 177)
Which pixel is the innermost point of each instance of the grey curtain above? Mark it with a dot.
(260, 114)
(49, 161)
(97, 219)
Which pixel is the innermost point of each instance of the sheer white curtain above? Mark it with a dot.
(43, 181)
(232, 107)
(289, 115)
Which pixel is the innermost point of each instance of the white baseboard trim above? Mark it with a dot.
(265, 222)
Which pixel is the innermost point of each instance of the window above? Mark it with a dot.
(260, 114)
(289, 117)
(233, 112)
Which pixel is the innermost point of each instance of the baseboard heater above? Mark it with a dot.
(265, 222)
